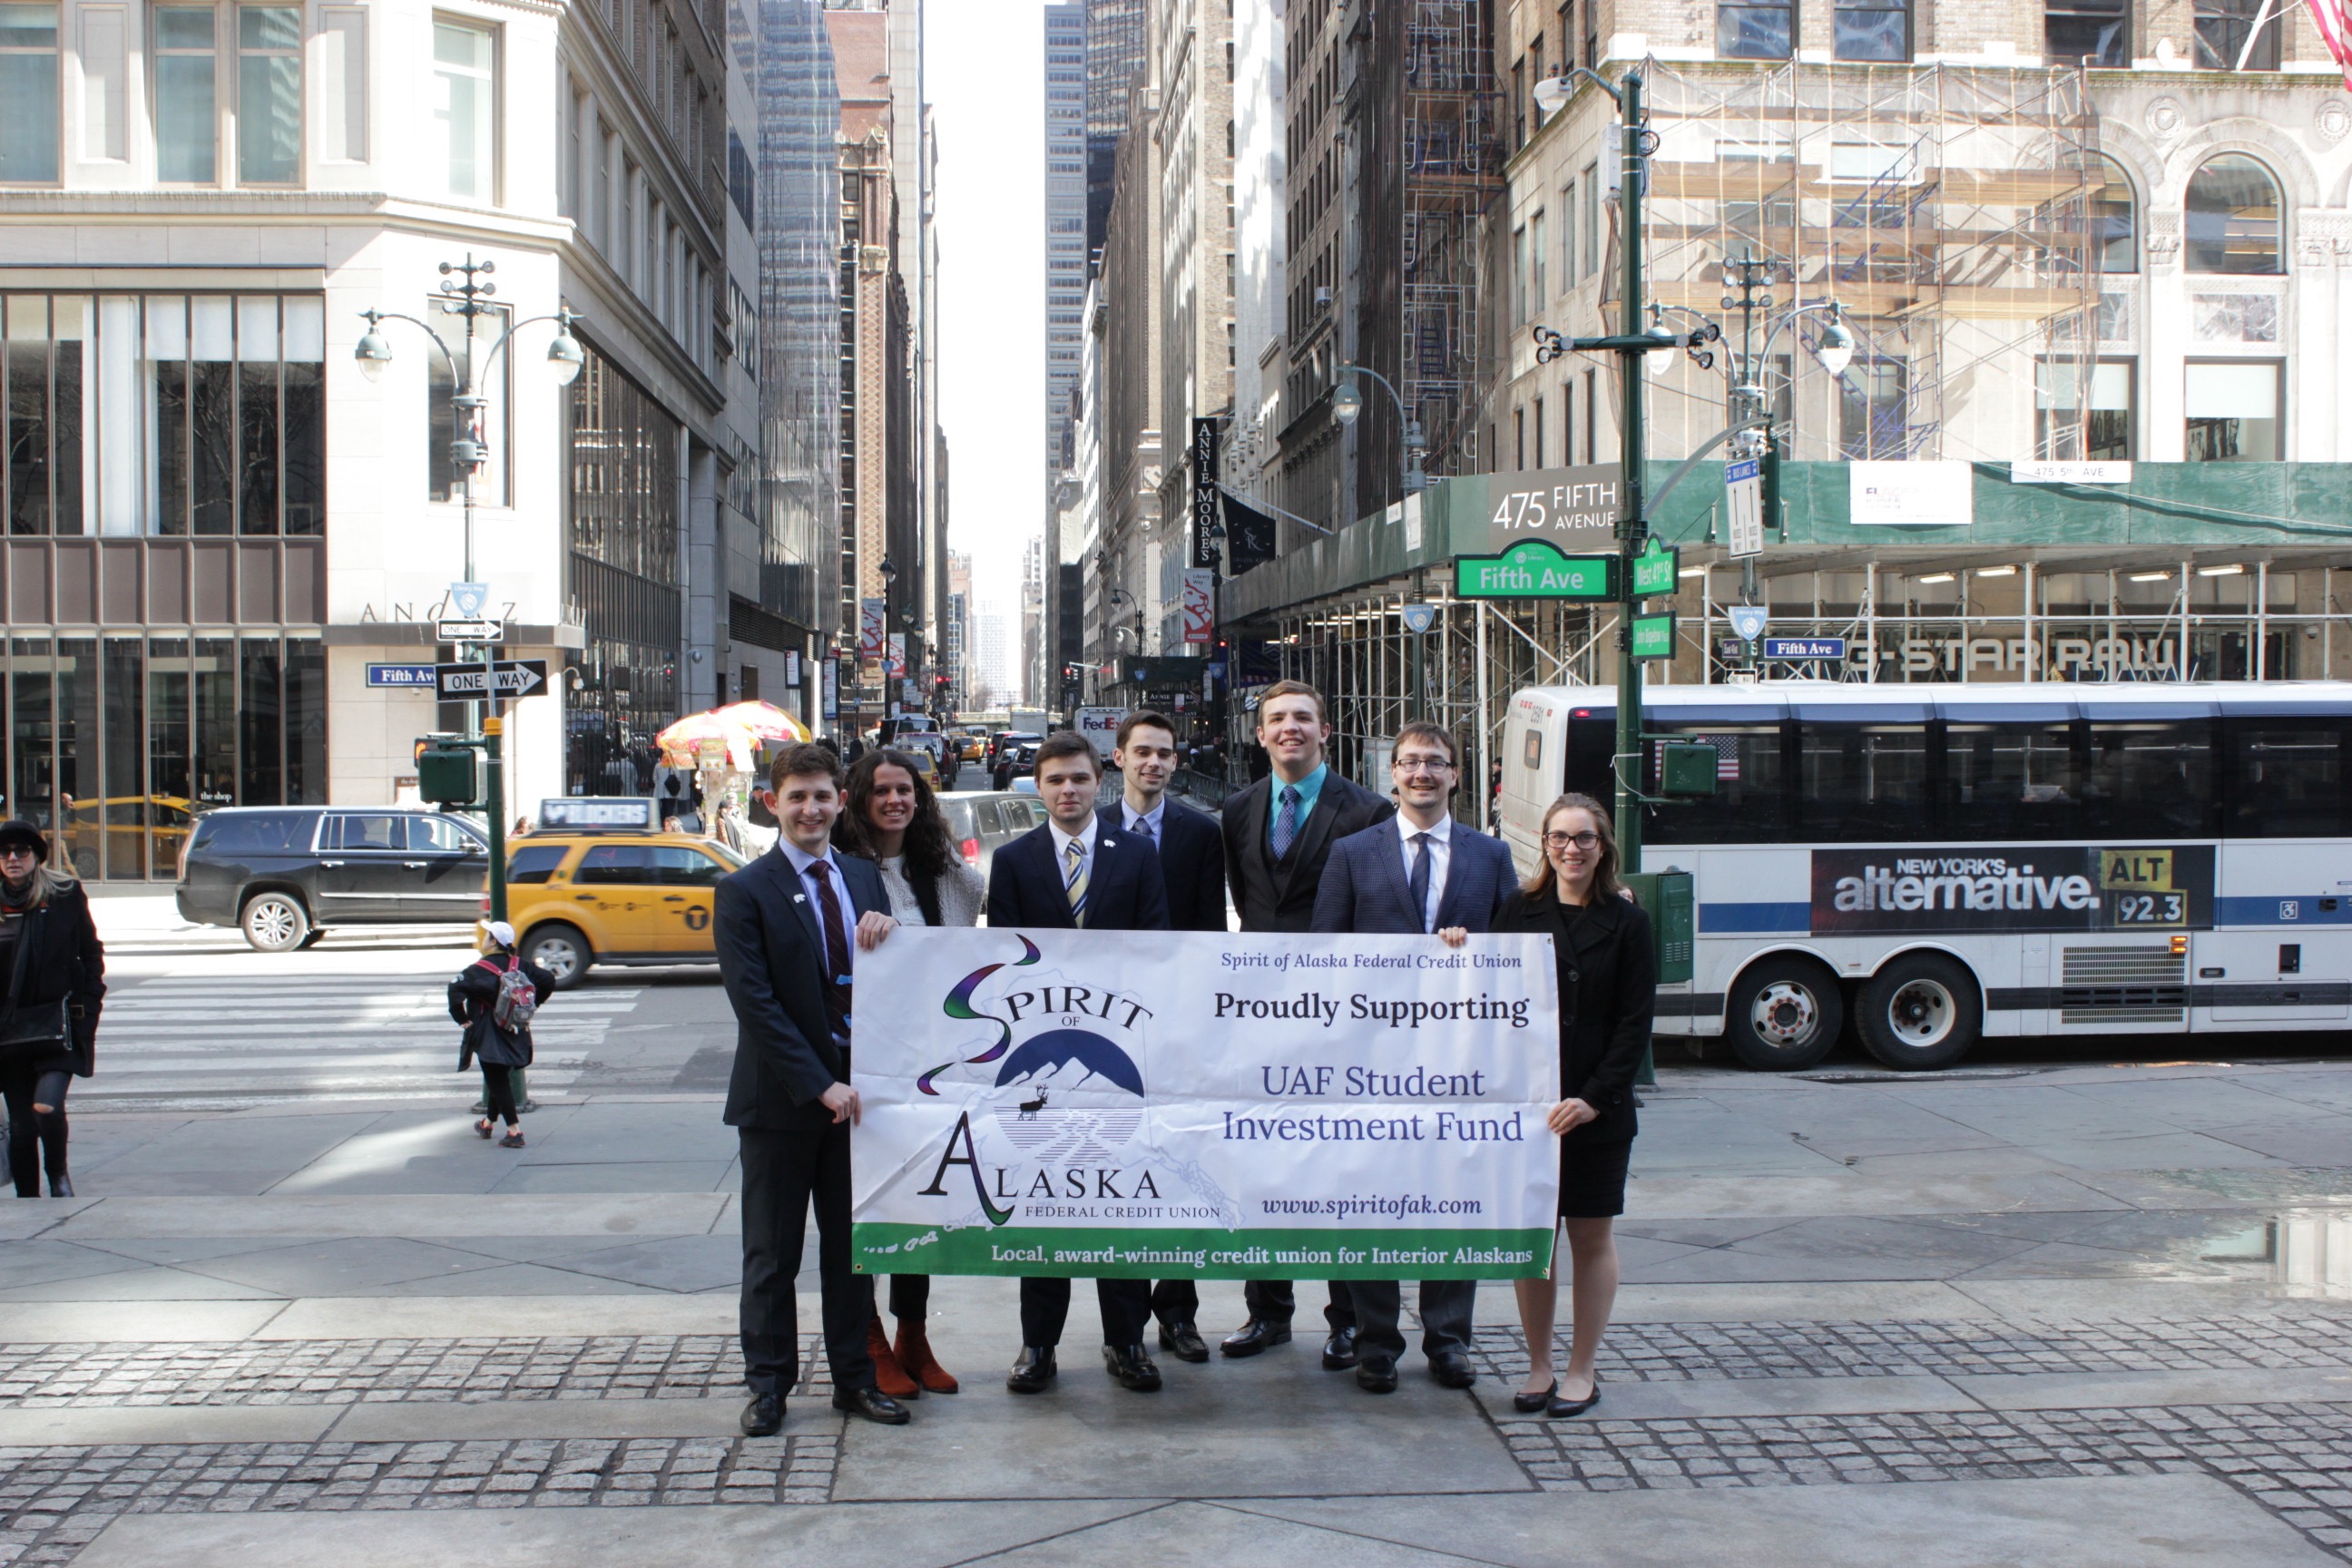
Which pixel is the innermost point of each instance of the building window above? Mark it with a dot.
(1520, 438)
(2233, 411)
(1874, 419)
(2070, 421)
(1567, 273)
(2233, 218)
(2095, 32)
(1539, 432)
(1519, 273)
(2227, 40)
(1538, 252)
(185, 124)
(269, 95)
(1870, 30)
(464, 110)
(1592, 219)
(28, 94)
(2115, 221)
(1568, 423)
(1745, 30)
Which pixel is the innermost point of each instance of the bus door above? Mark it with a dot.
(2281, 946)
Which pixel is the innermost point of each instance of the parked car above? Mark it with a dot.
(577, 898)
(980, 821)
(287, 873)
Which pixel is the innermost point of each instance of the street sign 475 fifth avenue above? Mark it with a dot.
(1576, 508)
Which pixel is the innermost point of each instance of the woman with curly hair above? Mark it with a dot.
(892, 819)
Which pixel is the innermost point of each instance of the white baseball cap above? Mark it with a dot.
(500, 932)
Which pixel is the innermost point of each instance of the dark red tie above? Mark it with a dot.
(836, 956)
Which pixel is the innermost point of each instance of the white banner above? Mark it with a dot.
(1209, 1105)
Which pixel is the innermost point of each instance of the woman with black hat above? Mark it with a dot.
(55, 971)
(496, 1014)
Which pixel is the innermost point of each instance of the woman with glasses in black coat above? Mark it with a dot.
(1607, 974)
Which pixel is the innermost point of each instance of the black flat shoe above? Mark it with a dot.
(1340, 1350)
(59, 1187)
(1532, 1404)
(764, 1416)
(1034, 1371)
(1376, 1375)
(1258, 1334)
(1452, 1369)
(873, 1403)
(1183, 1340)
(1560, 1409)
(1132, 1368)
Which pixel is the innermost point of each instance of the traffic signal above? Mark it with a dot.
(452, 772)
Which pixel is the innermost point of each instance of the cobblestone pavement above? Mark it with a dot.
(2293, 1460)
(1676, 1351)
(54, 1501)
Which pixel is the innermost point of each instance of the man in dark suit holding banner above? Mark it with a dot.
(1278, 833)
(1420, 871)
(1191, 854)
(1078, 872)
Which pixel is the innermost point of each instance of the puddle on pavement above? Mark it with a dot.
(2300, 1252)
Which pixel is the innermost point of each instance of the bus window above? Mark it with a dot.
(2149, 779)
(2013, 781)
(1752, 800)
(1862, 783)
(2287, 778)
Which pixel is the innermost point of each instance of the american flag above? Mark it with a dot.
(2334, 19)
(1727, 754)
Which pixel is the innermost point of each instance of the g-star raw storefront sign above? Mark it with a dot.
(1206, 1105)
(2040, 887)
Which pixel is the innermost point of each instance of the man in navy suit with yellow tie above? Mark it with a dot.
(1078, 872)
(1419, 872)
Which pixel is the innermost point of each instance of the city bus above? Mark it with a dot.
(1934, 864)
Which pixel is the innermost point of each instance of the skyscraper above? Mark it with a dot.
(1117, 48)
(1068, 243)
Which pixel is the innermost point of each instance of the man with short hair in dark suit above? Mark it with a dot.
(1078, 872)
(786, 928)
(1420, 871)
(1193, 865)
(1278, 833)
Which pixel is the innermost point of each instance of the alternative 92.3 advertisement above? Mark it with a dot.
(2040, 887)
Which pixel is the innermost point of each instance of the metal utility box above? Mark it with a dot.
(452, 773)
(1669, 900)
(1686, 768)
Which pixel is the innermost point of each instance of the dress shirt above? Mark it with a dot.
(1146, 822)
(802, 862)
(1441, 856)
(1311, 790)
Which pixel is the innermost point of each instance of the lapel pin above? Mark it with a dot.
(800, 898)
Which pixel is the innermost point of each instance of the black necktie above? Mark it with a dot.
(836, 956)
(1421, 879)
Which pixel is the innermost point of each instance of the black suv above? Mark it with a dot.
(284, 873)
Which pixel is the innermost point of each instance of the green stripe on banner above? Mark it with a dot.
(1178, 1253)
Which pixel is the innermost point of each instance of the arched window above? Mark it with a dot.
(2233, 218)
(2115, 221)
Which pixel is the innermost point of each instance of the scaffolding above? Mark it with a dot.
(1949, 209)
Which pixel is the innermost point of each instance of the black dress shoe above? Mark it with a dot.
(1255, 1335)
(1132, 1368)
(1340, 1350)
(873, 1403)
(1534, 1404)
(764, 1417)
(1183, 1340)
(1376, 1375)
(59, 1187)
(1452, 1369)
(1034, 1371)
(1559, 1409)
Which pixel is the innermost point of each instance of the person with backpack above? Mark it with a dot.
(495, 999)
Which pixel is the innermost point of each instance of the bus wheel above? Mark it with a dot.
(1920, 1011)
(1783, 1014)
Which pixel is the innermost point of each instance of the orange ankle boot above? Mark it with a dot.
(889, 1375)
(914, 1355)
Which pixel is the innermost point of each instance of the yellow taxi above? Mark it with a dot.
(596, 882)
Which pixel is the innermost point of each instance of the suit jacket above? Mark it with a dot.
(1191, 863)
(771, 957)
(1365, 888)
(1608, 973)
(1124, 891)
(1283, 898)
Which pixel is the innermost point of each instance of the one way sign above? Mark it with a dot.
(514, 678)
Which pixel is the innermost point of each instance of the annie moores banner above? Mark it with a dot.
(1191, 1104)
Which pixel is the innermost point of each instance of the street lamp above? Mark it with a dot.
(1347, 403)
(469, 301)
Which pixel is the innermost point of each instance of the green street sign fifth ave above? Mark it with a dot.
(1535, 569)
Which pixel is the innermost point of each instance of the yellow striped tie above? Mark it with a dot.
(1074, 882)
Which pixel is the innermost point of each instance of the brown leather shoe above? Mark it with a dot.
(915, 1358)
(889, 1375)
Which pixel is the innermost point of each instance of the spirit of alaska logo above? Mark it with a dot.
(1056, 1084)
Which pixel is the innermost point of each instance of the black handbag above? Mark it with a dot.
(44, 1029)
